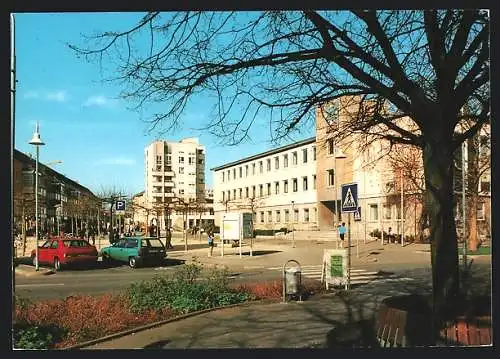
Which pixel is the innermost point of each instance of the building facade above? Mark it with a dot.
(64, 204)
(298, 186)
(175, 184)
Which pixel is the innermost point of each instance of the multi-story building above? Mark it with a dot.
(278, 186)
(174, 171)
(64, 203)
(298, 185)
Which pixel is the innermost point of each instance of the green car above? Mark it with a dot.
(135, 250)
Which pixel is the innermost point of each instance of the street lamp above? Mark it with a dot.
(36, 141)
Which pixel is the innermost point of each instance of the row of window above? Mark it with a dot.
(268, 189)
(276, 216)
(226, 175)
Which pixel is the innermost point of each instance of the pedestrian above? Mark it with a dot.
(210, 243)
(168, 239)
(342, 231)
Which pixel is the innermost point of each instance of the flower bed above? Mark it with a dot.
(62, 323)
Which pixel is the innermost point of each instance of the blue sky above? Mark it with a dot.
(99, 141)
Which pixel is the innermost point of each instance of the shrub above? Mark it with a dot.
(26, 336)
(274, 290)
(184, 293)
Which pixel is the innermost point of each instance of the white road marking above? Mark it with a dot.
(40, 285)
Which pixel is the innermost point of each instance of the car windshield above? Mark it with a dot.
(152, 242)
(75, 243)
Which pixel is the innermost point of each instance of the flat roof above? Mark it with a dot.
(267, 153)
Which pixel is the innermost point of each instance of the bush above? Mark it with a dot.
(26, 336)
(184, 293)
(274, 290)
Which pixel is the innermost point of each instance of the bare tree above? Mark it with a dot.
(420, 65)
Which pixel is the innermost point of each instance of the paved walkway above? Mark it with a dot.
(327, 320)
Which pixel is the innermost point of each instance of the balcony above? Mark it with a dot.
(169, 194)
(169, 184)
(169, 173)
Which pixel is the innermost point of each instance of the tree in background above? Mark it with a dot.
(424, 66)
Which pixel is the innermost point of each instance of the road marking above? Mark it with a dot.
(40, 285)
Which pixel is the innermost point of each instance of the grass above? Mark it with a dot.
(481, 251)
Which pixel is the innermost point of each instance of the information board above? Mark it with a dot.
(334, 271)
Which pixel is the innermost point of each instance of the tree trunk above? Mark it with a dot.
(473, 238)
(438, 162)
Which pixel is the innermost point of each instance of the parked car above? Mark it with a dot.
(64, 251)
(135, 251)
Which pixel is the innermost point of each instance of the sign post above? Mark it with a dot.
(349, 205)
(334, 269)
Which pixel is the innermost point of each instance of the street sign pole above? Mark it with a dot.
(349, 251)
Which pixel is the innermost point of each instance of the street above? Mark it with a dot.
(376, 264)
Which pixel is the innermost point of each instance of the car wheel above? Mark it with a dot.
(57, 264)
(106, 259)
(132, 262)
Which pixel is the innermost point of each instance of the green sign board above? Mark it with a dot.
(336, 266)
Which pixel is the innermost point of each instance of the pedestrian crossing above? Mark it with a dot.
(358, 276)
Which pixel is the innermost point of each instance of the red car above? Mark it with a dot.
(64, 251)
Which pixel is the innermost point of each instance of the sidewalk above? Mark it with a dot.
(327, 320)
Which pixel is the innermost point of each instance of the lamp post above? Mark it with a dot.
(37, 142)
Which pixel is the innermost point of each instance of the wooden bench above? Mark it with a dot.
(467, 331)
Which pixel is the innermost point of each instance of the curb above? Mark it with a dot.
(160, 323)
(29, 271)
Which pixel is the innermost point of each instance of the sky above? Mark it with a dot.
(82, 122)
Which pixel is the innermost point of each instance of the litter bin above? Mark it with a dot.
(293, 279)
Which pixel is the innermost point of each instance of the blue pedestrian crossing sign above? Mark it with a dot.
(357, 214)
(120, 205)
(349, 198)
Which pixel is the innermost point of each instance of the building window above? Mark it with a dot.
(191, 160)
(246, 192)
(331, 177)
(331, 147)
(373, 212)
(223, 177)
(276, 163)
(304, 155)
(314, 153)
(158, 160)
(234, 173)
(228, 175)
(181, 159)
(268, 165)
(285, 161)
(169, 160)
(246, 170)
(387, 211)
(228, 195)
(269, 216)
(223, 196)
(314, 181)
(294, 158)
(306, 214)
(285, 186)
(295, 186)
(261, 190)
(484, 186)
(315, 215)
(295, 215)
(241, 192)
(253, 191)
(181, 191)
(304, 183)
(480, 211)
(181, 170)
(261, 217)
(276, 187)
(261, 167)
(234, 193)
(287, 216)
(278, 217)
(253, 169)
(241, 172)
(269, 189)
